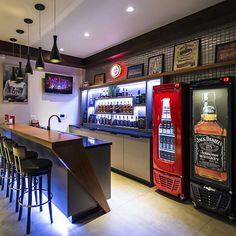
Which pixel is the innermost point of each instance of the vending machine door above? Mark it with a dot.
(167, 128)
(211, 154)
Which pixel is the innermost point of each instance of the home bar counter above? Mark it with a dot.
(81, 167)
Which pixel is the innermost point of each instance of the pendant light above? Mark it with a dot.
(28, 68)
(55, 54)
(13, 73)
(20, 73)
(39, 62)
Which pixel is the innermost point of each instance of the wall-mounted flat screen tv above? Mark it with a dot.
(58, 84)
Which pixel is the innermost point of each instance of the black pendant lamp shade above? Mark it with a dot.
(13, 73)
(20, 73)
(28, 68)
(55, 54)
(39, 62)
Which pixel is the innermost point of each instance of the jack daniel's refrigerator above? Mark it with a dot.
(171, 139)
(213, 169)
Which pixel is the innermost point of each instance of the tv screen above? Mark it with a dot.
(58, 84)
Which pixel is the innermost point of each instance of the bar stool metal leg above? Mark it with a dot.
(22, 197)
(8, 178)
(29, 203)
(40, 192)
(18, 190)
(49, 195)
(35, 190)
(12, 182)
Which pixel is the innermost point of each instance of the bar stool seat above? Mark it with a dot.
(37, 167)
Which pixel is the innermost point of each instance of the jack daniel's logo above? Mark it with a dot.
(210, 151)
(209, 139)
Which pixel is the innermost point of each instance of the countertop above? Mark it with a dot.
(117, 130)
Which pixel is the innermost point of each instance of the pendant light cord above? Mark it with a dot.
(54, 17)
(28, 39)
(20, 47)
(13, 48)
(40, 27)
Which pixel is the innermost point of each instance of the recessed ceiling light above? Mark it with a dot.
(86, 34)
(62, 49)
(130, 9)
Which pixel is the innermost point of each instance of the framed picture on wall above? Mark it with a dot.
(14, 90)
(155, 64)
(186, 55)
(225, 52)
(99, 79)
(135, 71)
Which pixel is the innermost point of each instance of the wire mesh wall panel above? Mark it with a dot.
(209, 39)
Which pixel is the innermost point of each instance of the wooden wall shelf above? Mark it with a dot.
(164, 74)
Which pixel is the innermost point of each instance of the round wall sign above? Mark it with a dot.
(115, 71)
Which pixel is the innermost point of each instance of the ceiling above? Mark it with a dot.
(106, 20)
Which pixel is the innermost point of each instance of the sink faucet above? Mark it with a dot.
(59, 120)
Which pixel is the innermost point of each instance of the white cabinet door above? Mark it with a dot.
(117, 148)
(137, 157)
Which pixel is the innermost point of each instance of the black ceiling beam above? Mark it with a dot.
(6, 49)
(213, 16)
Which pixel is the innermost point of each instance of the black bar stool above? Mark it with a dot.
(13, 175)
(30, 169)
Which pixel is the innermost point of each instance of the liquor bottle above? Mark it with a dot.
(128, 122)
(123, 92)
(124, 121)
(124, 107)
(131, 122)
(120, 121)
(117, 108)
(112, 106)
(209, 143)
(126, 93)
(100, 120)
(138, 98)
(128, 108)
(107, 106)
(121, 107)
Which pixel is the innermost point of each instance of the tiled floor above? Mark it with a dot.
(135, 210)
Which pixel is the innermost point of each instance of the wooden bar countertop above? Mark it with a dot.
(44, 137)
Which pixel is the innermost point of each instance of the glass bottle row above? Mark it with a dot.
(125, 121)
(112, 107)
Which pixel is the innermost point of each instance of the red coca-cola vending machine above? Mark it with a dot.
(171, 138)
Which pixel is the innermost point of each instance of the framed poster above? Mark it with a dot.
(99, 79)
(14, 91)
(225, 52)
(135, 71)
(155, 64)
(186, 55)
